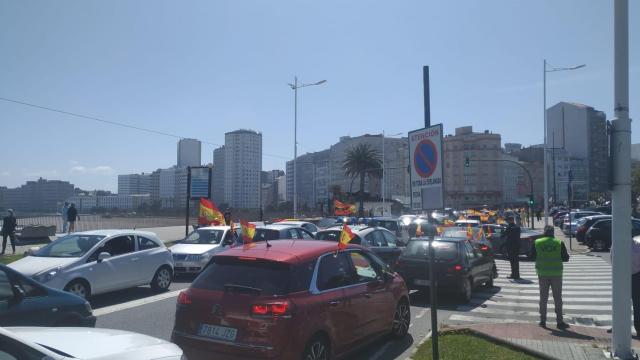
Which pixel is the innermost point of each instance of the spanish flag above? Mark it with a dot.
(341, 208)
(248, 231)
(469, 233)
(419, 231)
(345, 237)
(209, 213)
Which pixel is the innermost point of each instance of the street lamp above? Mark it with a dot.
(383, 188)
(295, 88)
(544, 108)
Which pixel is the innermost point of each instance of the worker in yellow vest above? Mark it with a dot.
(549, 253)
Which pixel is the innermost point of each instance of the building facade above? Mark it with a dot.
(242, 169)
(189, 153)
(38, 196)
(86, 203)
(131, 184)
(217, 180)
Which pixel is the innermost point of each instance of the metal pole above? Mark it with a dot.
(186, 225)
(553, 166)
(427, 100)
(546, 145)
(621, 192)
(295, 147)
(383, 173)
(433, 283)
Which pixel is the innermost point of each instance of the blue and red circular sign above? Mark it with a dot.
(425, 158)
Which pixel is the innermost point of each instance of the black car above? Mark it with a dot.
(378, 239)
(581, 230)
(598, 237)
(24, 302)
(461, 266)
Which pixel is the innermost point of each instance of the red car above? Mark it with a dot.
(290, 299)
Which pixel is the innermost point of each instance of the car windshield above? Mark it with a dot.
(75, 245)
(444, 250)
(204, 236)
(458, 232)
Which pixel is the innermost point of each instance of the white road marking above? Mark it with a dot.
(564, 282)
(479, 319)
(534, 305)
(515, 285)
(135, 303)
(534, 314)
(537, 298)
(421, 313)
(587, 291)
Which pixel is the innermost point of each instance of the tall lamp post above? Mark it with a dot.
(383, 187)
(295, 88)
(546, 70)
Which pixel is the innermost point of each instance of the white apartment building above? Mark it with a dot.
(242, 168)
(132, 184)
(189, 153)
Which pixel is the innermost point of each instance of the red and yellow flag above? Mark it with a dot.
(209, 213)
(248, 231)
(345, 237)
(469, 233)
(342, 209)
(419, 231)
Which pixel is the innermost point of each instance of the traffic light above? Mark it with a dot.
(531, 201)
(466, 162)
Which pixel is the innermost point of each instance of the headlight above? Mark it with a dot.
(46, 276)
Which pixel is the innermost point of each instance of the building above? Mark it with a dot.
(38, 196)
(91, 202)
(131, 184)
(581, 130)
(167, 188)
(635, 152)
(511, 147)
(282, 188)
(242, 169)
(563, 164)
(189, 153)
(217, 180)
(311, 189)
(480, 183)
(512, 180)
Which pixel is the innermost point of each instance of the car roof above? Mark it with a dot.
(439, 238)
(113, 232)
(289, 251)
(292, 222)
(279, 226)
(218, 227)
(356, 229)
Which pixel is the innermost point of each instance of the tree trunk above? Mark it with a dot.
(361, 208)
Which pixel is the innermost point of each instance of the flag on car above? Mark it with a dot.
(419, 231)
(209, 213)
(341, 208)
(469, 232)
(248, 231)
(345, 237)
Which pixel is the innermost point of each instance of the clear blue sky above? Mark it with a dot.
(202, 68)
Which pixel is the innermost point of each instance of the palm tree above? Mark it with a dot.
(362, 161)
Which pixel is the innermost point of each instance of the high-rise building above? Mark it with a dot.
(134, 184)
(581, 130)
(189, 153)
(217, 180)
(242, 170)
(167, 188)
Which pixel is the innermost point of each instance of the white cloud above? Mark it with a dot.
(74, 162)
(97, 170)
(5, 173)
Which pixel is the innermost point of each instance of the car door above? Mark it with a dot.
(32, 310)
(475, 265)
(392, 246)
(304, 234)
(377, 244)
(149, 256)
(116, 272)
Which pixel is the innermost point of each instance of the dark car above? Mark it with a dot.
(587, 222)
(380, 240)
(598, 237)
(388, 223)
(558, 218)
(24, 302)
(279, 231)
(460, 266)
(290, 301)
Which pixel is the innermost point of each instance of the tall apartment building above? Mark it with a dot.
(38, 196)
(242, 170)
(134, 184)
(481, 182)
(217, 176)
(189, 153)
(312, 179)
(167, 187)
(581, 130)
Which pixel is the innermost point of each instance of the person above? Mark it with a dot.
(512, 236)
(9, 230)
(549, 253)
(227, 218)
(539, 215)
(72, 216)
(65, 219)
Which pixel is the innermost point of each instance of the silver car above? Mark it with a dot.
(192, 254)
(95, 262)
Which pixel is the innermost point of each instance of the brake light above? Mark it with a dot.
(184, 299)
(457, 268)
(260, 309)
(484, 248)
(279, 308)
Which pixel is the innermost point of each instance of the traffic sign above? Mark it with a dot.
(425, 151)
(200, 182)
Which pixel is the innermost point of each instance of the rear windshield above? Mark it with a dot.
(444, 250)
(254, 275)
(266, 234)
(334, 235)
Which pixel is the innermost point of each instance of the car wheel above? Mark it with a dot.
(489, 283)
(317, 349)
(79, 288)
(401, 320)
(162, 279)
(599, 245)
(465, 294)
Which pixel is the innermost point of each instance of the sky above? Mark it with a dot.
(202, 68)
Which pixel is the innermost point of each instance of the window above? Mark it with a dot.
(119, 245)
(237, 274)
(375, 238)
(390, 238)
(146, 244)
(364, 268)
(311, 227)
(334, 272)
(471, 252)
(305, 234)
(6, 293)
(31, 291)
(293, 234)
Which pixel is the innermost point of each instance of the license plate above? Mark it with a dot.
(180, 264)
(422, 282)
(218, 332)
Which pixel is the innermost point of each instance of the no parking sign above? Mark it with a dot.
(425, 152)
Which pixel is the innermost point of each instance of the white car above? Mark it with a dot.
(95, 262)
(309, 226)
(193, 253)
(38, 343)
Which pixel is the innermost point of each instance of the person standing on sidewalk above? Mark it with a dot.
(512, 235)
(9, 230)
(65, 217)
(549, 253)
(72, 216)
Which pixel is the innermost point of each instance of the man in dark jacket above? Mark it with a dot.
(8, 230)
(512, 235)
(72, 216)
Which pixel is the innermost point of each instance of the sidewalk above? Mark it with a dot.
(574, 247)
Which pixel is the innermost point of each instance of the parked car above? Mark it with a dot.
(585, 223)
(24, 302)
(468, 222)
(378, 239)
(570, 220)
(388, 223)
(43, 343)
(279, 231)
(558, 218)
(192, 254)
(290, 301)
(460, 266)
(598, 237)
(96, 262)
(310, 227)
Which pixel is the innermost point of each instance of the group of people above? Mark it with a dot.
(69, 217)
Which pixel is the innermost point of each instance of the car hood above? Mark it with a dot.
(193, 248)
(32, 265)
(88, 343)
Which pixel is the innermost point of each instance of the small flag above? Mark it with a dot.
(345, 237)
(419, 231)
(248, 231)
(479, 234)
(342, 209)
(469, 233)
(209, 213)
(440, 230)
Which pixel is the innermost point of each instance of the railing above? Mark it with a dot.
(98, 222)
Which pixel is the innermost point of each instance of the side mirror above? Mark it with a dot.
(103, 256)
(18, 294)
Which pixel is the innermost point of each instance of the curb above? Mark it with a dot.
(415, 349)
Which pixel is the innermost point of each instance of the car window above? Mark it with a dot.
(444, 250)
(146, 243)
(6, 292)
(266, 234)
(305, 235)
(14, 350)
(30, 291)
(389, 238)
(75, 245)
(292, 234)
(242, 274)
(471, 252)
(334, 272)
(310, 227)
(334, 235)
(375, 238)
(119, 245)
(365, 271)
(205, 236)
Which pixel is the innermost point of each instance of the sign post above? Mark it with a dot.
(198, 186)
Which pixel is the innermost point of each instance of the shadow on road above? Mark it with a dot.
(121, 296)
(384, 348)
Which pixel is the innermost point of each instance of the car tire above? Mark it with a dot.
(79, 287)
(317, 349)
(401, 320)
(599, 245)
(162, 279)
(466, 291)
(489, 283)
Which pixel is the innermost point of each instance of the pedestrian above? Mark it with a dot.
(512, 236)
(72, 217)
(9, 230)
(549, 253)
(227, 218)
(65, 218)
(539, 215)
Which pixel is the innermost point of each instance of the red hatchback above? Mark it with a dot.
(290, 300)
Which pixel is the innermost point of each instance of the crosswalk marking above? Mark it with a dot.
(586, 295)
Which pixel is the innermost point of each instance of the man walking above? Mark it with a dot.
(549, 253)
(512, 235)
(65, 217)
(72, 216)
(8, 230)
